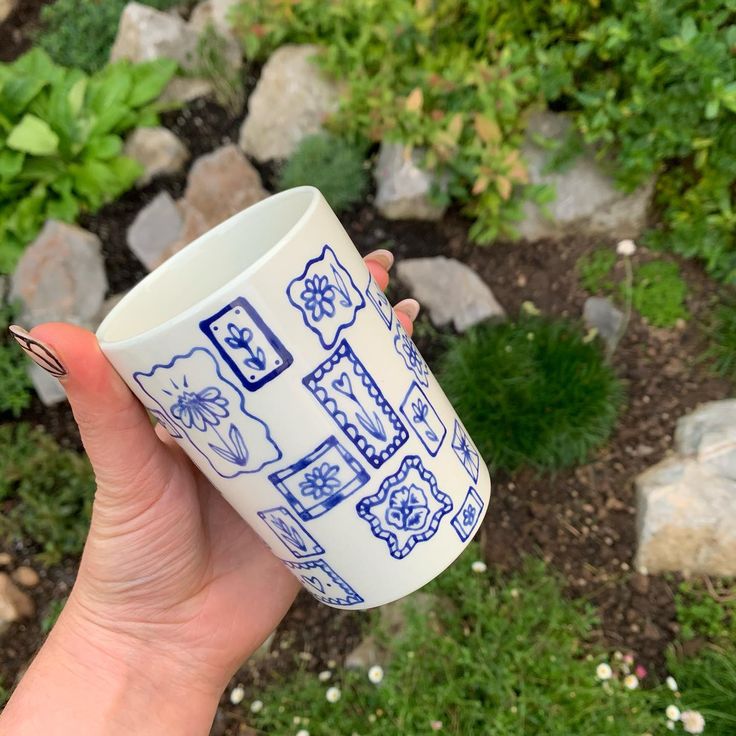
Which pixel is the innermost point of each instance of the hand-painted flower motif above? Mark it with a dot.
(200, 409)
(319, 297)
(466, 453)
(241, 338)
(321, 482)
(469, 514)
(407, 508)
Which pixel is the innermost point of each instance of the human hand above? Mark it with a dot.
(172, 584)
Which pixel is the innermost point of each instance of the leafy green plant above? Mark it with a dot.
(15, 385)
(710, 614)
(331, 164)
(534, 392)
(658, 293)
(80, 33)
(61, 140)
(595, 270)
(51, 489)
(722, 333)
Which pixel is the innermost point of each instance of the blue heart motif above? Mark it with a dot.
(343, 385)
(314, 582)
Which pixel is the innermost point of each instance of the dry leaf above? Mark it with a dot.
(481, 184)
(503, 184)
(487, 129)
(415, 100)
(455, 128)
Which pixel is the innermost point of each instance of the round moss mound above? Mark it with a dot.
(531, 393)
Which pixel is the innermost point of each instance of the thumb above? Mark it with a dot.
(128, 458)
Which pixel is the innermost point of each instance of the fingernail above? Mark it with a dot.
(382, 256)
(410, 307)
(38, 352)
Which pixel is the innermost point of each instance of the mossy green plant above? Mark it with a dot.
(658, 293)
(595, 269)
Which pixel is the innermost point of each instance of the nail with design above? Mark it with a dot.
(40, 353)
(383, 257)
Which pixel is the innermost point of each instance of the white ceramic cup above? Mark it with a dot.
(278, 365)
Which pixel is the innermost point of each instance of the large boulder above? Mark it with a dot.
(159, 151)
(155, 229)
(587, 200)
(450, 290)
(291, 101)
(145, 34)
(403, 186)
(686, 518)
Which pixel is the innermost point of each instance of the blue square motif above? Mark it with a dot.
(470, 513)
(327, 297)
(465, 451)
(411, 356)
(407, 509)
(380, 301)
(291, 533)
(324, 583)
(423, 419)
(320, 480)
(352, 398)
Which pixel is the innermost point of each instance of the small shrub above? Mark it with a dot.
(331, 164)
(15, 385)
(61, 140)
(531, 393)
(659, 293)
(722, 349)
(700, 614)
(595, 270)
(52, 489)
(80, 33)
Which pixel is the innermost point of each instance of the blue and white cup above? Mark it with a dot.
(277, 364)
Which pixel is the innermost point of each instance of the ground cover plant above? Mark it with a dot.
(534, 392)
(15, 385)
(61, 140)
(647, 82)
(722, 334)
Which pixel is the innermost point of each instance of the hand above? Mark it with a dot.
(172, 584)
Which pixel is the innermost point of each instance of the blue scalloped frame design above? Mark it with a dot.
(326, 327)
(429, 429)
(469, 515)
(349, 478)
(290, 532)
(270, 351)
(364, 425)
(325, 584)
(376, 509)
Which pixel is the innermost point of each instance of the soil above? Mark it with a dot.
(581, 521)
(19, 28)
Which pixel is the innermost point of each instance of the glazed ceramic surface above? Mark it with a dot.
(276, 362)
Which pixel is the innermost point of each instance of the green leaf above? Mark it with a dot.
(149, 81)
(110, 88)
(711, 109)
(104, 147)
(11, 164)
(76, 95)
(688, 29)
(35, 136)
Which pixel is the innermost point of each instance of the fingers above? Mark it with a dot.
(407, 311)
(117, 434)
(379, 263)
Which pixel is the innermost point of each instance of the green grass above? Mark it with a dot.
(659, 293)
(334, 166)
(705, 614)
(722, 336)
(595, 269)
(531, 393)
(15, 385)
(502, 656)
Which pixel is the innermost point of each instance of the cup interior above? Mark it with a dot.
(208, 264)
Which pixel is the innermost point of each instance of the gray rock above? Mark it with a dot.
(145, 34)
(365, 655)
(450, 290)
(403, 186)
(587, 200)
(155, 229)
(709, 435)
(290, 101)
(6, 8)
(61, 276)
(601, 315)
(14, 603)
(158, 151)
(48, 388)
(181, 90)
(221, 13)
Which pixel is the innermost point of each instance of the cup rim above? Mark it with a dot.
(190, 251)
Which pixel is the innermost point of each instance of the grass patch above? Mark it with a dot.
(722, 335)
(531, 393)
(15, 385)
(659, 292)
(595, 269)
(708, 614)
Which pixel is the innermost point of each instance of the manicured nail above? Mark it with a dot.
(382, 256)
(38, 352)
(410, 307)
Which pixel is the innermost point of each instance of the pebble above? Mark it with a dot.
(26, 576)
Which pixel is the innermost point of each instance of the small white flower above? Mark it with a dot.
(626, 247)
(296, 720)
(514, 593)
(375, 674)
(302, 732)
(672, 712)
(256, 706)
(671, 683)
(692, 721)
(371, 718)
(435, 725)
(631, 682)
(331, 664)
(237, 694)
(324, 675)
(479, 566)
(603, 671)
(333, 694)
(671, 725)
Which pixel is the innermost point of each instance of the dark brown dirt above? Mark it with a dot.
(19, 28)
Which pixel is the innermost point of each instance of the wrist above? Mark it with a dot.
(112, 683)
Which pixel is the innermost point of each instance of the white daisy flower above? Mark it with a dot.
(256, 706)
(324, 675)
(375, 674)
(603, 671)
(479, 566)
(302, 732)
(672, 712)
(692, 721)
(671, 725)
(626, 247)
(333, 694)
(631, 682)
(671, 683)
(237, 694)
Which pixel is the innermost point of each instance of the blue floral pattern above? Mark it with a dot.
(469, 515)
(465, 451)
(407, 508)
(410, 355)
(423, 419)
(319, 297)
(290, 532)
(200, 409)
(321, 482)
